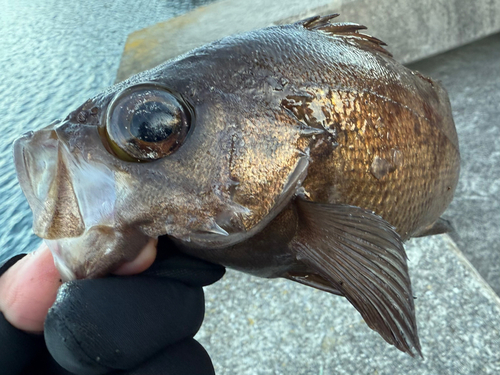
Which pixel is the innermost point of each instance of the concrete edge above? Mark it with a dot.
(461, 257)
(411, 31)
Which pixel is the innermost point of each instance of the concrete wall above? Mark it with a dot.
(412, 29)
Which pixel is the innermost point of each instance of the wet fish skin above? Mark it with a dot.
(311, 155)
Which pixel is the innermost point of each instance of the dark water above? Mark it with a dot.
(53, 56)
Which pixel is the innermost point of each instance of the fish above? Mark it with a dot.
(302, 151)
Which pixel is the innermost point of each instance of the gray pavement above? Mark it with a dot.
(258, 326)
(471, 74)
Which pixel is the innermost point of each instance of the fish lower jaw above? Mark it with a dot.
(74, 263)
(98, 252)
(67, 274)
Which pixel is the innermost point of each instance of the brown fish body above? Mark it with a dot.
(397, 152)
(379, 137)
(301, 151)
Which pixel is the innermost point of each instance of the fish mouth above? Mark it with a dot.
(35, 160)
(72, 199)
(66, 192)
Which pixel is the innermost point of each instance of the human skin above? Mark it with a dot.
(29, 288)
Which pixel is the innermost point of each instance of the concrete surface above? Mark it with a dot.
(471, 75)
(412, 29)
(257, 326)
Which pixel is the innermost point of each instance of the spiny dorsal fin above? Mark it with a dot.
(347, 29)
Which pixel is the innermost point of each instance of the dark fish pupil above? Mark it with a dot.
(146, 123)
(154, 121)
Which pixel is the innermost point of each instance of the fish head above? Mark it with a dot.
(171, 151)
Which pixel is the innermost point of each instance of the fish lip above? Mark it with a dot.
(22, 165)
(19, 159)
(23, 168)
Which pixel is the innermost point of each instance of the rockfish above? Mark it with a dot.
(302, 151)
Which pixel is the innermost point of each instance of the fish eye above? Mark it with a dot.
(146, 122)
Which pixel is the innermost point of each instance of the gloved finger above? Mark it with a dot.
(96, 326)
(17, 348)
(44, 364)
(173, 264)
(187, 357)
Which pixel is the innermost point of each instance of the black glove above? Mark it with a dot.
(141, 324)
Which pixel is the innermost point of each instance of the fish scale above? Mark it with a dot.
(348, 167)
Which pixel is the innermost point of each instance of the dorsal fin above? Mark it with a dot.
(347, 29)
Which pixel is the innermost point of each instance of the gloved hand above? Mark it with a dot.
(140, 324)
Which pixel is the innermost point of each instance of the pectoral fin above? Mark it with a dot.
(363, 258)
(313, 280)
